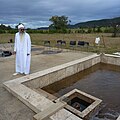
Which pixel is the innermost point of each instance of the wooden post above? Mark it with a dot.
(103, 41)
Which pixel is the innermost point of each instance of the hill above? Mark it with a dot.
(98, 23)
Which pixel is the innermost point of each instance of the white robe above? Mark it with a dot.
(22, 48)
(97, 40)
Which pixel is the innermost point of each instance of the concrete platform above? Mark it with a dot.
(10, 107)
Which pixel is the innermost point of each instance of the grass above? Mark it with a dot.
(108, 44)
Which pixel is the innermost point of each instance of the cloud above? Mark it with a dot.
(36, 13)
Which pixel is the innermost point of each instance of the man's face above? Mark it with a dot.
(21, 30)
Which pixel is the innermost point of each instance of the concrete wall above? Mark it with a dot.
(59, 72)
(110, 59)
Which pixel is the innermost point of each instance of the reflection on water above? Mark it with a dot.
(101, 80)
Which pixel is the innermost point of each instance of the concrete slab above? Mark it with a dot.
(10, 107)
(49, 111)
(31, 98)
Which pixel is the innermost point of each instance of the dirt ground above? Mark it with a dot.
(10, 107)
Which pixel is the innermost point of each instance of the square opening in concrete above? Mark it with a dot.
(78, 103)
(81, 103)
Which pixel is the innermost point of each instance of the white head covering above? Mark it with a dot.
(21, 26)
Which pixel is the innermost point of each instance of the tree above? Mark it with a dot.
(4, 27)
(115, 30)
(115, 24)
(59, 23)
(98, 30)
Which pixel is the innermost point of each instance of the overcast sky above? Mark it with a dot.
(36, 13)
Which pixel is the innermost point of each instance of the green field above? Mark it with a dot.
(108, 44)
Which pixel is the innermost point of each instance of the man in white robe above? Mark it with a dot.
(22, 49)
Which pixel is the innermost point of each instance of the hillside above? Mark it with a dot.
(98, 23)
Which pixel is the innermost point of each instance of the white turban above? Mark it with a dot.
(21, 26)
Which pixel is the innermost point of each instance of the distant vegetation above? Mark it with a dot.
(100, 26)
(61, 24)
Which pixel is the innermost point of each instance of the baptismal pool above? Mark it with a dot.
(101, 81)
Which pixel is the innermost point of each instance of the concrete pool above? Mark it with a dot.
(25, 88)
(101, 80)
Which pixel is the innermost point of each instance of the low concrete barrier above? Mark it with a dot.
(110, 59)
(62, 71)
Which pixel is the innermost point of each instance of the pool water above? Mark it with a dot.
(101, 81)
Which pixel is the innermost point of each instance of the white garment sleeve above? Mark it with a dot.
(28, 45)
(15, 43)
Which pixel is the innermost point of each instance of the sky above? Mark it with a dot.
(36, 13)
